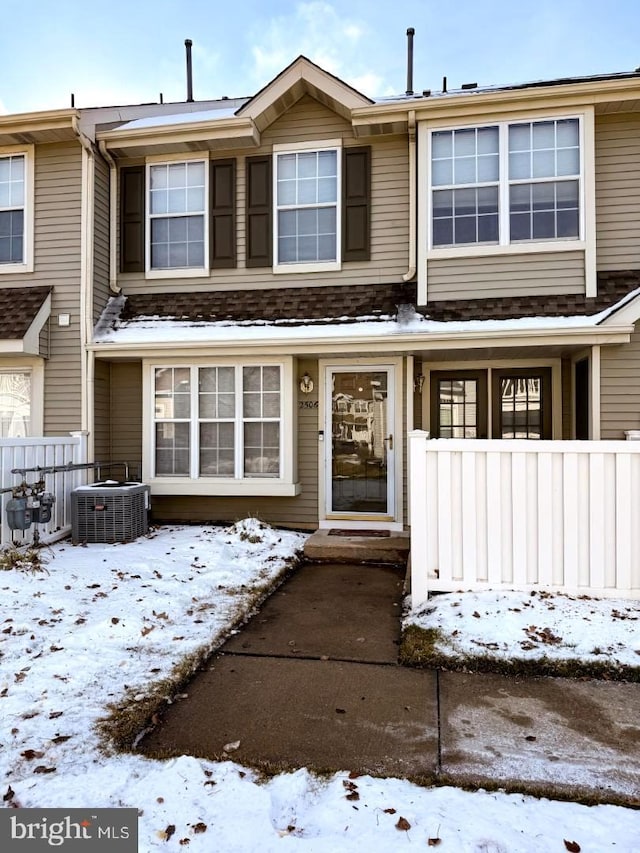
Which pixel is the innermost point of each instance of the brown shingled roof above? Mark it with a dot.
(349, 302)
(18, 309)
(285, 305)
(612, 287)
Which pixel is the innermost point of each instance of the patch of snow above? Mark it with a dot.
(179, 118)
(105, 621)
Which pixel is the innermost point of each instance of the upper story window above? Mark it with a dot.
(177, 214)
(306, 208)
(506, 183)
(12, 195)
(16, 186)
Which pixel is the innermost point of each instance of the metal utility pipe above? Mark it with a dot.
(188, 43)
(410, 34)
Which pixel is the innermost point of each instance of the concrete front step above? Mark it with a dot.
(325, 547)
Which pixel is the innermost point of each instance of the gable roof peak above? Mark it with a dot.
(300, 77)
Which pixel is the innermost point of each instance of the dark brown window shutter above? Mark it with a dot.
(259, 216)
(222, 238)
(356, 204)
(132, 219)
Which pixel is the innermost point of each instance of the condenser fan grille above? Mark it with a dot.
(108, 512)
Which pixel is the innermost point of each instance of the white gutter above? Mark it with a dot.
(86, 284)
(410, 273)
(113, 218)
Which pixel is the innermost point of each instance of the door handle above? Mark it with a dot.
(389, 438)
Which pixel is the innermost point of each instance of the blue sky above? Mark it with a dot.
(129, 51)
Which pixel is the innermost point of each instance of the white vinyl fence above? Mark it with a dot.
(517, 514)
(42, 452)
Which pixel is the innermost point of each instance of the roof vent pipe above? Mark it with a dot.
(410, 34)
(187, 44)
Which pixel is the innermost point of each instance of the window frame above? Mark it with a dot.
(546, 398)
(195, 484)
(493, 371)
(176, 272)
(296, 268)
(504, 244)
(480, 376)
(27, 263)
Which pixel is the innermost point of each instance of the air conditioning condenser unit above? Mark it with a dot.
(109, 511)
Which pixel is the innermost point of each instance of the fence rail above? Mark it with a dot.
(42, 452)
(557, 515)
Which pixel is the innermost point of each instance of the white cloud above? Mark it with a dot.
(329, 38)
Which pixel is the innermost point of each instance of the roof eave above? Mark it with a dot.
(198, 136)
(505, 100)
(34, 127)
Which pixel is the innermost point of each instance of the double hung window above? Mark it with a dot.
(219, 421)
(16, 186)
(506, 183)
(307, 213)
(177, 215)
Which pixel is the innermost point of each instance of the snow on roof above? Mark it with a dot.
(160, 330)
(180, 118)
(505, 87)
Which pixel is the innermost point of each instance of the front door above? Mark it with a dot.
(359, 446)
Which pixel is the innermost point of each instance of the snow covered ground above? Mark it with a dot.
(107, 621)
(517, 625)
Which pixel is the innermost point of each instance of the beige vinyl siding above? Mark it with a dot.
(100, 237)
(618, 191)
(57, 208)
(126, 414)
(310, 121)
(508, 275)
(102, 413)
(620, 388)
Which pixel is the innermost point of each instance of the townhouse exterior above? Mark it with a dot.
(254, 301)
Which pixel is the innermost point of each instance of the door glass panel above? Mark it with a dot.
(359, 435)
(458, 408)
(521, 407)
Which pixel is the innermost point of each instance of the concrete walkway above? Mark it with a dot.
(313, 681)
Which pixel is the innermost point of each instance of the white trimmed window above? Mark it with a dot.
(177, 215)
(218, 421)
(307, 208)
(506, 183)
(15, 404)
(16, 191)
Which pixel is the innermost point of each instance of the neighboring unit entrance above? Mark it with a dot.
(359, 446)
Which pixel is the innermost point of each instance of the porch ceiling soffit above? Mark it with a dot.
(41, 127)
(23, 314)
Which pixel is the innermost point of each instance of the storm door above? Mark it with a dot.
(359, 432)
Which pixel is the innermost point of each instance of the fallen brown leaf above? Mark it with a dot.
(403, 824)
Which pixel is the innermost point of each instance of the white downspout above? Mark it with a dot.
(113, 218)
(86, 285)
(412, 197)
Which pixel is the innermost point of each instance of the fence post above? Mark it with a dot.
(418, 491)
